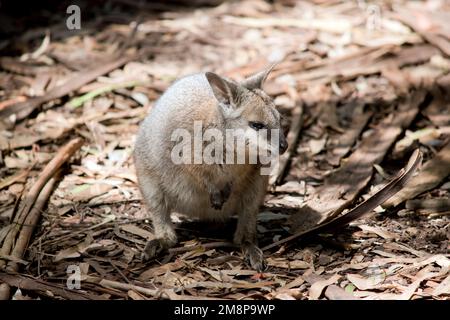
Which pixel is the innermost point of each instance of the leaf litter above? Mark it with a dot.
(357, 100)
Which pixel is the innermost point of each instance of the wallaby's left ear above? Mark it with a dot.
(224, 90)
(256, 81)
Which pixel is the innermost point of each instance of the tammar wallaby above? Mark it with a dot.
(206, 191)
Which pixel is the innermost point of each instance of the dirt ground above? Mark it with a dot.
(360, 85)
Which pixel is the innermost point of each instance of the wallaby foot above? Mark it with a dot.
(254, 256)
(156, 247)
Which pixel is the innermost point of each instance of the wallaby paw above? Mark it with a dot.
(152, 249)
(254, 257)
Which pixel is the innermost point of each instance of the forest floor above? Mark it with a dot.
(360, 86)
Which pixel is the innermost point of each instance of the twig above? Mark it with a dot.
(130, 37)
(49, 171)
(118, 271)
(30, 223)
(126, 287)
(211, 245)
(28, 283)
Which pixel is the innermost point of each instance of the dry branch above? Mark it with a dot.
(27, 283)
(126, 287)
(204, 246)
(30, 224)
(49, 171)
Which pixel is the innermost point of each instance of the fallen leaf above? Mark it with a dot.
(287, 264)
(157, 271)
(316, 146)
(378, 231)
(363, 283)
(75, 251)
(317, 288)
(131, 228)
(86, 192)
(443, 287)
(284, 296)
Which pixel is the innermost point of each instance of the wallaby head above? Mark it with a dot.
(245, 106)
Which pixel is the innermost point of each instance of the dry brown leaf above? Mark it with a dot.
(442, 288)
(157, 271)
(365, 283)
(75, 251)
(317, 145)
(284, 296)
(134, 295)
(133, 229)
(86, 192)
(287, 264)
(378, 231)
(317, 288)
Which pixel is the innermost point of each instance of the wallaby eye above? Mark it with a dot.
(256, 125)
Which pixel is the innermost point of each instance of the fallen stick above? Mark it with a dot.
(210, 245)
(30, 224)
(365, 207)
(126, 287)
(49, 171)
(27, 283)
(24, 109)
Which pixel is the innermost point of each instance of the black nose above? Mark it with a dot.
(283, 144)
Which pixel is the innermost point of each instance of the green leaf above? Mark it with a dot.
(350, 288)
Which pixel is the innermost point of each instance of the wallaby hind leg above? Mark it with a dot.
(156, 203)
(245, 237)
(246, 233)
(165, 236)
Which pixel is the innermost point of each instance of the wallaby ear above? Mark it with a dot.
(224, 90)
(256, 81)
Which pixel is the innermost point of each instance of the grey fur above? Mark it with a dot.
(203, 191)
